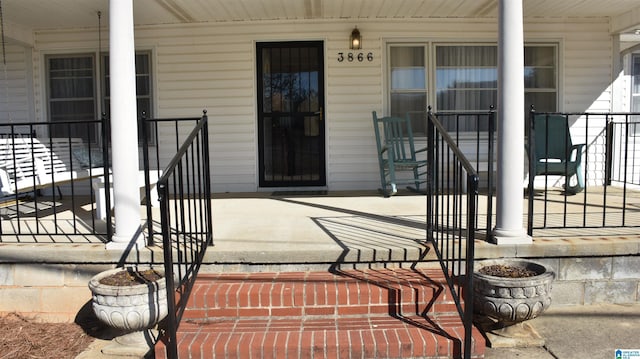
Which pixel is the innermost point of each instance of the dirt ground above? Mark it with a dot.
(25, 338)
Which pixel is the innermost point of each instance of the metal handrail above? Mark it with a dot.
(442, 230)
(187, 227)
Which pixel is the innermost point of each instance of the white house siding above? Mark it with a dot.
(212, 66)
(15, 89)
(588, 80)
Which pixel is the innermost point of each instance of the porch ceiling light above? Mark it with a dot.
(355, 41)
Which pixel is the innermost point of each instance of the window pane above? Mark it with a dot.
(635, 93)
(143, 87)
(409, 85)
(535, 77)
(407, 56)
(635, 76)
(412, 105)
(72, 110)
(401, 103)
(543, 101)
(407, 68)
(636, 104)
(539, 56)
(540, 78)
(71, 95)
(540, 69)
(71, 87)
(466, 78)
(466, 100)
(80, 65)
(407, 78)
(143, 66)
(467, 56)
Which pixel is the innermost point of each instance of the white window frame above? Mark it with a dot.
(100, 81)
(427, 70)
(634, 95)
(430, 70)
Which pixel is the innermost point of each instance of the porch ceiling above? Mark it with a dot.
(34, 15)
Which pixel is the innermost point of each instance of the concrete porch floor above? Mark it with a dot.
(314, 230)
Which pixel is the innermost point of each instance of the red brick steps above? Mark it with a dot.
(383, 313)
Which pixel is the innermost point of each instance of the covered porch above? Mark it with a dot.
(342, 229)
(210, 55)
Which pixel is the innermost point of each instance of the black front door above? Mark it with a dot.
(290, 114)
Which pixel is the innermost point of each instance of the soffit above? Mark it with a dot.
(59, 14)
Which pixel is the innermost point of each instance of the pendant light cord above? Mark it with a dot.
(4, 52)
(102, 85)
(4, 64)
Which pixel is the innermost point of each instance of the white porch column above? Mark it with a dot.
(509, 192)
(124, 129)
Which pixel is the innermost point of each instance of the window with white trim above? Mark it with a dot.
(635, 83)
(635, 94)
(72, 91)
(408, 79)
(464, 78)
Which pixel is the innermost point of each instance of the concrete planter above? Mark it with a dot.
(502, 304)
(135, 310)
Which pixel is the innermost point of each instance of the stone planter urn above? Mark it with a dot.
(508, 292)
(134, 308)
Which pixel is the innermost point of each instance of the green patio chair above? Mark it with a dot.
(555, 154)
(396, 152)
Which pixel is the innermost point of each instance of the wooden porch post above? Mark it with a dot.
(124, 128)
(511, 118)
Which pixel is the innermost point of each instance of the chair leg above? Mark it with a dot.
(383, 181)
(578, 187)
(392, 181)
(416, 181)
(416, 178)
(393, 189)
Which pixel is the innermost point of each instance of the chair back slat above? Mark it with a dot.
(553, 140)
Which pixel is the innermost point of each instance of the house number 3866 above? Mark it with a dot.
(351, 57)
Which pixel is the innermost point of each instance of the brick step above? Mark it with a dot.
(374, 337)
(377, 313)
(354, 292)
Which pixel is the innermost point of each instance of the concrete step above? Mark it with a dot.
(377, 313)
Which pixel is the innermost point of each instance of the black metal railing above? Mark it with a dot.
(186, 220)
(160, 142)
(610, 167)
(52, 176)
(42, 163)
(474, 134)
(452, 195)
(609, 163)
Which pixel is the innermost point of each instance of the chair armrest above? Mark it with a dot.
(576, 152)
(5, 183)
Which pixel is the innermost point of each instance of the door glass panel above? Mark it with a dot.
(290, 114)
